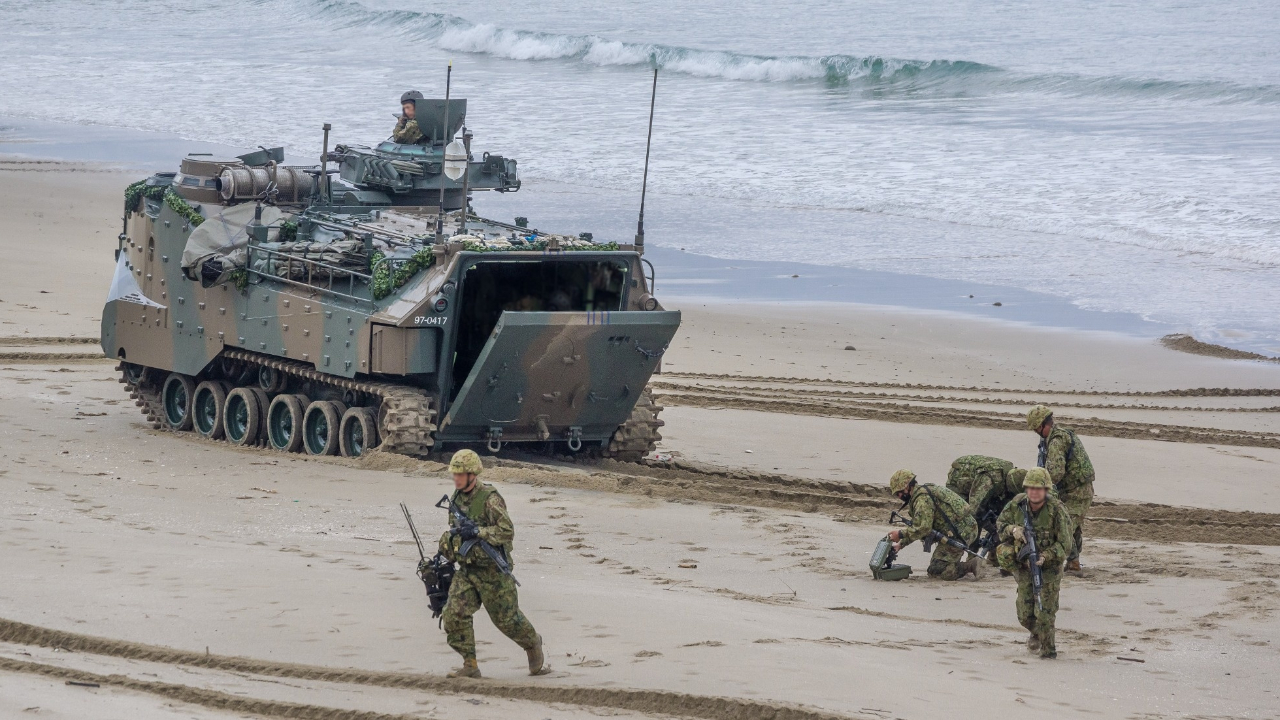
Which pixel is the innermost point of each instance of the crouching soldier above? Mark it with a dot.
(1053, 539)
(478, 580)
(935, 509)
(987, 484)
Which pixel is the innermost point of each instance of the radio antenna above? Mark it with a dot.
(644, 184)
(444, 144)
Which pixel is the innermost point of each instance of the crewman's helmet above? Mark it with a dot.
(411, 95)
(900, 481)
(1037, 416)
(465, 461)
(1037, 477)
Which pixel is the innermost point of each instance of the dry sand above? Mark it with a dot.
(191, 579)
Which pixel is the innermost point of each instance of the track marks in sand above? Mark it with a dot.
(790, 404)
(643, 701)
(198, 696)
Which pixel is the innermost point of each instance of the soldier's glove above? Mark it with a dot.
(468, 531)
(1019, 534)
(1040, 561)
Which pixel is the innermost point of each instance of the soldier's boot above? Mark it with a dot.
(470, 669)
(1048, 649)
(537, 663)
(1074, 566)
(1033, 643)
(972, 565)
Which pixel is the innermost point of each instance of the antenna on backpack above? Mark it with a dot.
(644, 185)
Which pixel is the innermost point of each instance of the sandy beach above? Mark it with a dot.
(187, 578)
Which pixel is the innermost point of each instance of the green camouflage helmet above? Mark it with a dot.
(1017, 475)
(900, 481)
(465, 461)
(1037, 416)
(1037, 477)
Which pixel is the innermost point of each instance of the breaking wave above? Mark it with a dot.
(880, 74)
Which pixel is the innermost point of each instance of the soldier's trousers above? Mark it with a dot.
(945, 562)
(476, 586)
(1038, 622)
(1077, 502)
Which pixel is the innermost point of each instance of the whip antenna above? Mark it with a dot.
(644, 184)
(448, 79)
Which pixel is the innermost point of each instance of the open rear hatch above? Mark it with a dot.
(571, 376)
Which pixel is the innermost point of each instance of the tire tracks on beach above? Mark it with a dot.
(641, 701)
(681, 481)
(792, 404)
(1193, 392)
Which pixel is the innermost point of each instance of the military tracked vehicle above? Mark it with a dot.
(360, 304)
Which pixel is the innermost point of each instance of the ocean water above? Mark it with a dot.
(1122, 155)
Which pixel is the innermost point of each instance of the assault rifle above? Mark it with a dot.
(1030, 552)
(461, 521)
(436, 574)
(928, 540)
(988, 535)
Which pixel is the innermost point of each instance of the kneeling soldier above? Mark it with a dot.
(478, 580)
(1053, 538)
(933, 508)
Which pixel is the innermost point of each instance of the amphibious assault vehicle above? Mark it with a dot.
(336, 309)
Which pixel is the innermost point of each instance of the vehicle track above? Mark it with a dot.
(643, 701)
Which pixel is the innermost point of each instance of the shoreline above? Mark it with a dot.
(682, 276)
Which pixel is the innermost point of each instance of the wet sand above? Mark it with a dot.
(133, 554)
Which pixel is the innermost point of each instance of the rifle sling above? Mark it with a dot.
(954, 530)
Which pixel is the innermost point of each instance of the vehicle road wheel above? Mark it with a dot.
(359, 432)
(209, 401)
(272, 380)
(134, 374)
(264, 402)
(320, 427)
(242, 417)
(176, 401)
(284, 422)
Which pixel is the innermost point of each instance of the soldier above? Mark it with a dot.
(1053, 530)
(986, 484)
(976, 477)
(1064, 456)
(935, 508)
(478, 580)
(406, 131)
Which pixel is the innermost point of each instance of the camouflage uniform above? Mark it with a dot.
(406, 132)
(1064, 456)
(480, 582)
(976, 477)
(1053, 531)
(925, 516)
